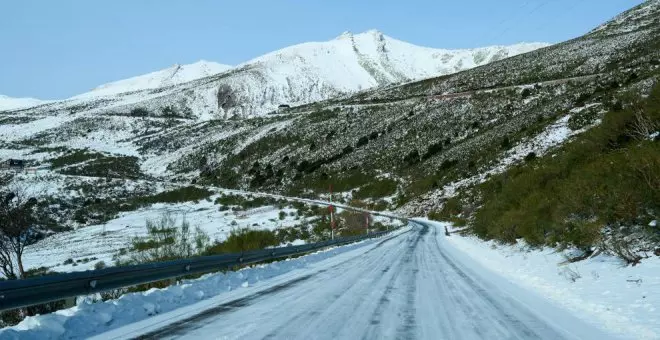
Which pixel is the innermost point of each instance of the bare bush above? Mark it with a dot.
(166, 240)
(569, 273)
(622, 248)
(642, 126)
(113, 294)
(18, 229)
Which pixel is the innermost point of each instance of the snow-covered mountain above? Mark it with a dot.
(177, 74)
(316, 71)
(9, 103)
(295, 75)
(354, 62)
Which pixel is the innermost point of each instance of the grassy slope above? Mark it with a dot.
(609, 176)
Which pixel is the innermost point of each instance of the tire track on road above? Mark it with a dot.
(463, 296)
(180, 327)
(343, 295)
(374, 329)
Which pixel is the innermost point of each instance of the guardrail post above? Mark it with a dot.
(70, 302)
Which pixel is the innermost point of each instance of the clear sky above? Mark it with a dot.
(56, 49)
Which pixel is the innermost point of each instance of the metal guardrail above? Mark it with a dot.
(32, 291)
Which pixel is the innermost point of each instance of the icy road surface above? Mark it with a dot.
(405, 287)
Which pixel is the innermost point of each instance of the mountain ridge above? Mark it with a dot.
(13, 103)
(295, 75)
(173, 75)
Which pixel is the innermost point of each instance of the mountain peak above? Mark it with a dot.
(372, 32)
(345, 35)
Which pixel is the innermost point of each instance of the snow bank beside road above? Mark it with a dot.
(621, 300)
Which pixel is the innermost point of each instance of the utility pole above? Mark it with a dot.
(366, 222)
(332, 218)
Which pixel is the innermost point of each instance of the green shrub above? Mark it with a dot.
(608, 176)
(458, 221)
(107, 166)
(379, 205)
(321, 229)
(506, 143)
(362, 141)
(433, 149)
(75, 157)
(412, 158)
(378, 188)
(139, 112)
(245, 239)
(530, 157)
(245, 202)
(290, 234)
(320, 116)
(341, 182)
(451, 208)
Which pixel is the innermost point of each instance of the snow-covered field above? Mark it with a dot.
(105, 240)
(88, 245)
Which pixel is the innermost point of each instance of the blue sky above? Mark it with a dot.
(57, 49)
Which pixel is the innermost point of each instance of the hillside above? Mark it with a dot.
(407, 146)
(428, 134)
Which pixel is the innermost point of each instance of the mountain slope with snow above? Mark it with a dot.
(634, 19)
(295, 75)
(9, 103)
(317, 71)
(405, 132)
(177, 74)
(359, 61)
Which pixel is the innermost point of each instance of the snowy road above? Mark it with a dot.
(408, 287)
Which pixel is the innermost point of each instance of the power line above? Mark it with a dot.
(534, 10)
(574, 4)
(507, 19)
